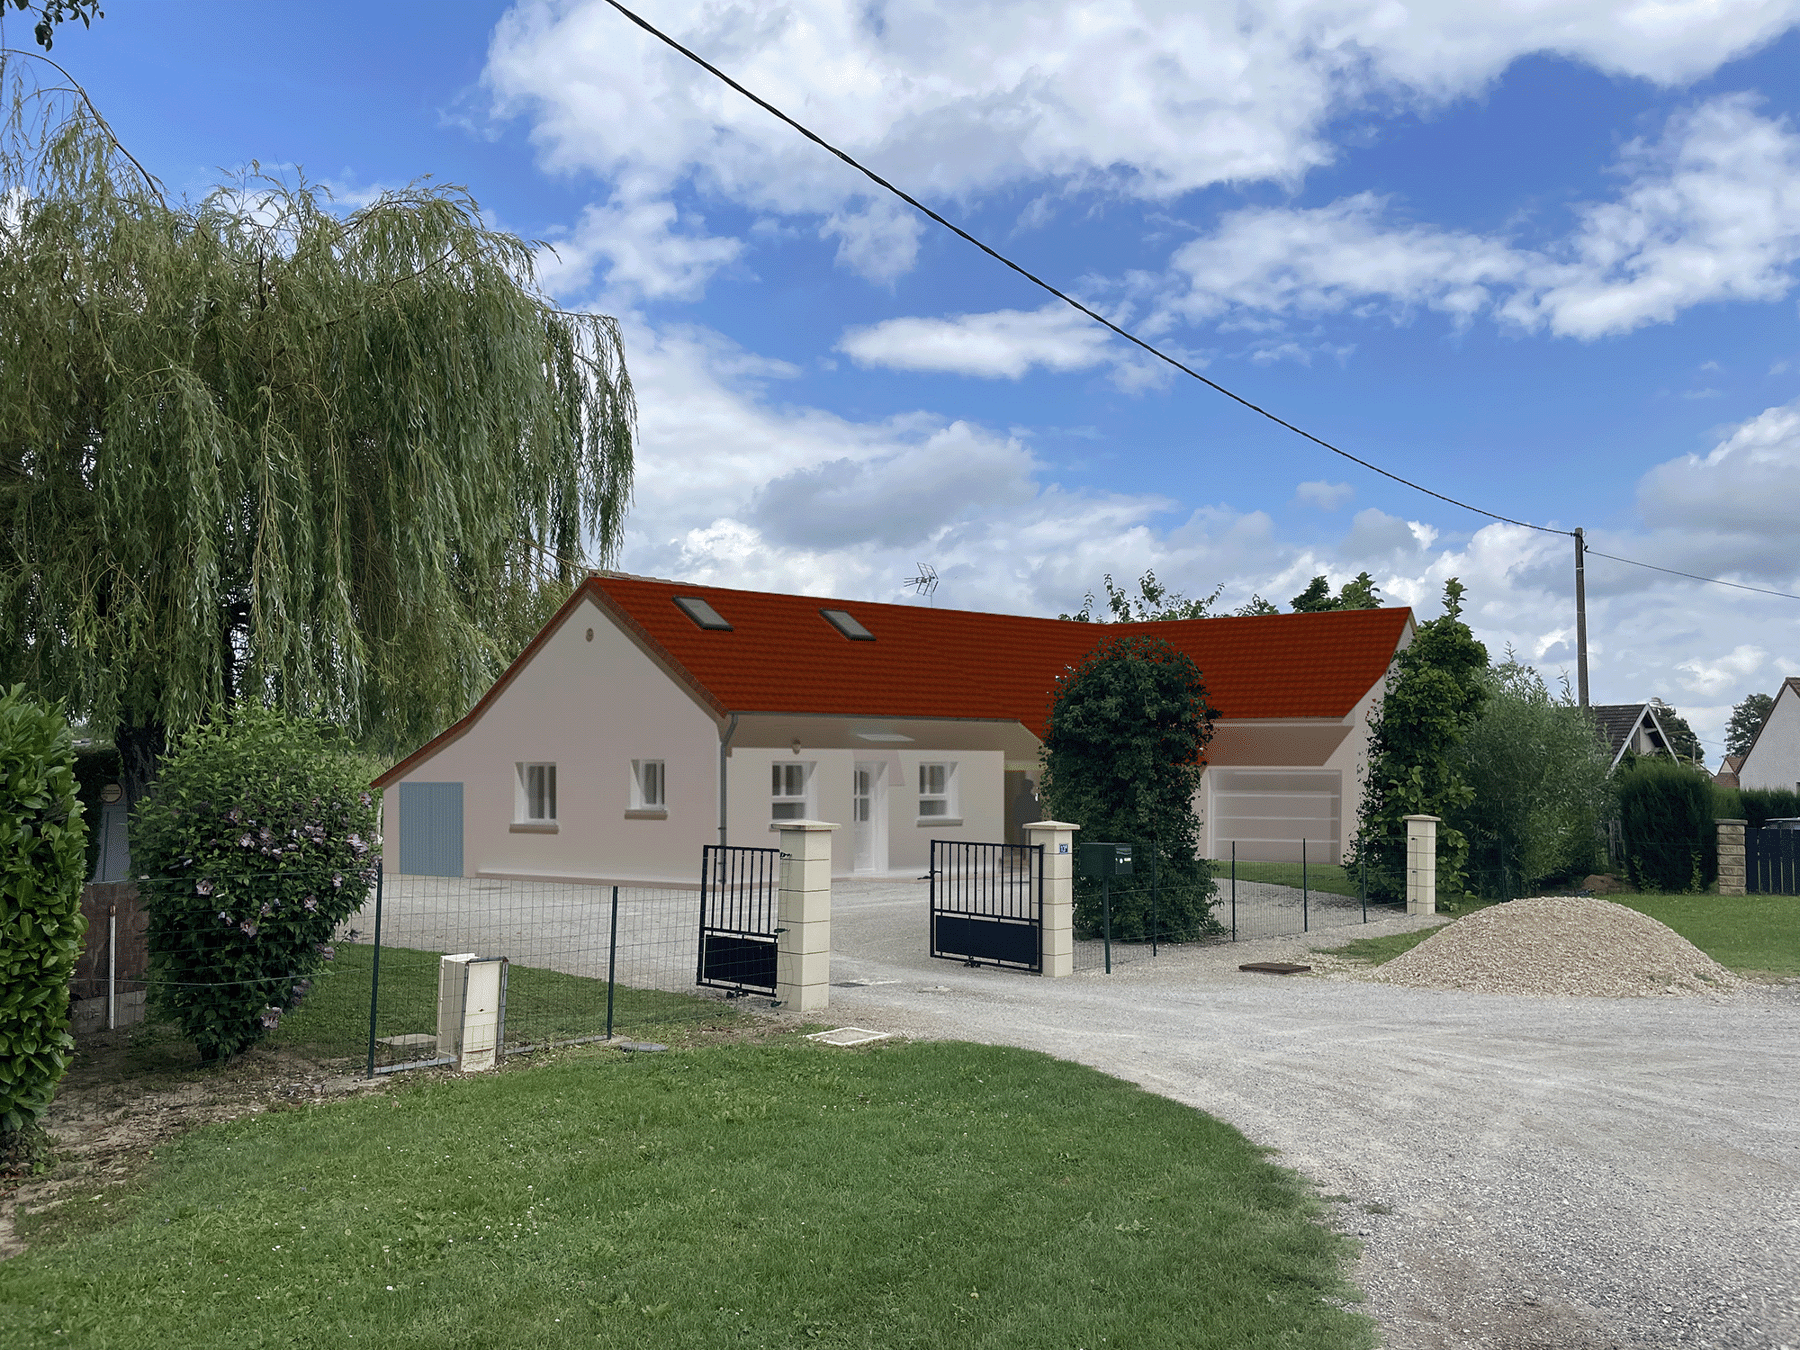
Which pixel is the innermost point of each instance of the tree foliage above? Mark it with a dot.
(1683, 743)
(1122, 758)
(1435, 694)
(1537, 773)
(1153, 602)
(340, 462)
(45, 845)
(1747, 720)
(53, 12)
(1360, 592)
(259, 840)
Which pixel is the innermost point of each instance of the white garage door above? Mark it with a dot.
(1268, 812)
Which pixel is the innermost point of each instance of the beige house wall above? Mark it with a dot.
(980, 788)
(589, 705)
(1774, 761)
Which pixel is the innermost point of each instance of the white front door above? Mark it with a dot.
(868, 814)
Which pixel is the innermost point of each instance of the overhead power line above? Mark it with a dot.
(1693, 576)
(1125, 333)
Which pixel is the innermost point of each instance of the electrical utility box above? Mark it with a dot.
(471, 1010)
(1105, 861)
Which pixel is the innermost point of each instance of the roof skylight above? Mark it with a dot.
(845, 622)
(702, 613)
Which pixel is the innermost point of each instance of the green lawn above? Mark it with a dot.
(1757, 935)
(1378, 950)
(940, 1195)
(541, 1006)
(1327, 877)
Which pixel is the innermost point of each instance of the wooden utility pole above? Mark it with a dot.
(1581, 680)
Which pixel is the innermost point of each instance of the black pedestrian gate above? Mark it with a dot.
(738, 892)
(987, 904)
(1772, 862)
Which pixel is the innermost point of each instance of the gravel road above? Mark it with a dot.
(1526, 1173)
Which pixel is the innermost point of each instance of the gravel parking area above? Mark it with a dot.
(1524, 1172)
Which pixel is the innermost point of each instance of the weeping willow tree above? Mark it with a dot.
(254, 446)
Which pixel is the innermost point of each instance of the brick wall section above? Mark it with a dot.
(1731, 857)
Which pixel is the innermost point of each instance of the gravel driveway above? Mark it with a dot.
(1525, 1171)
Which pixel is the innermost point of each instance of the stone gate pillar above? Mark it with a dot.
(1732, 877)
(1058, 949)
(803, 916)
(1421, 864)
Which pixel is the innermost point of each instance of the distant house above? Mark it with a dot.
(1727, 776)
(1632, 727)
(1773, 760)
(650, 717)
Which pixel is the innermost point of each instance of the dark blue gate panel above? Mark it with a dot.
(1772, 862)
(986, 940)
(732, 961)
(431, 829)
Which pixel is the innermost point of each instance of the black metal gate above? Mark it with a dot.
(987, 904)
(1772, 862)
(738, 892)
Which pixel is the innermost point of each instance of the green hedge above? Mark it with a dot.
(1667, 823)
(42, 847)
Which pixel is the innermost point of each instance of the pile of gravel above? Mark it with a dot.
(1560, 945)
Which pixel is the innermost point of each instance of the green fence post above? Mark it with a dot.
(1155, 871)
(1305, 901)
(1106, 913)
(1234, 890)
(375, 967)
(612, 960)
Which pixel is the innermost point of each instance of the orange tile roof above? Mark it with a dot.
(783, 656)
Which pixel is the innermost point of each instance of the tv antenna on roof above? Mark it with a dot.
(926, 582)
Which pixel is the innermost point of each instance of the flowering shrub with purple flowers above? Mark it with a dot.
(258, 840)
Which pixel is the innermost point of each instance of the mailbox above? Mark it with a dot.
(1106, 860)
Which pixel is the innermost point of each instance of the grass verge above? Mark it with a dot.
(542, 1006)
(1754, 935)
(1379, 950)
(1326, 877)
(777, 1195)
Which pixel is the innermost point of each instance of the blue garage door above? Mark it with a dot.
(431, 829)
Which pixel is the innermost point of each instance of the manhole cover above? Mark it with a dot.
(848, 1036)
(1274, 968)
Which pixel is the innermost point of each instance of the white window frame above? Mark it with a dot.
(649, 788)
(543, 799)
(782, 799)
(938, 803)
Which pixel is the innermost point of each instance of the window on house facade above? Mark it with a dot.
(647, 785)
(536, 798)
(787, 791)
(937, 791)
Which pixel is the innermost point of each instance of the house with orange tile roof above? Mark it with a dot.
(651, 717)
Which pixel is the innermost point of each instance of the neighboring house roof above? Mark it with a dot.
(1618, 722)
(1791, 685)
(1727, 776)
(783, 656)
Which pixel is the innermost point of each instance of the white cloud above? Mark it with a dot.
(1725, 673)
(1710, 212)
(1325, 496)
(634, 239)
(1004, 344)
(1147, 99)
(1745, 487)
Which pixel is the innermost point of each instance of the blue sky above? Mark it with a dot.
(1541, 257)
